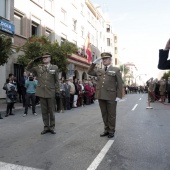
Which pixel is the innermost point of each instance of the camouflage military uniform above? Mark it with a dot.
(47, 87)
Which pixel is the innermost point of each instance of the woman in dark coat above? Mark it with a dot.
(11, 96)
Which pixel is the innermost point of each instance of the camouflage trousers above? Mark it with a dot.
(48, 116)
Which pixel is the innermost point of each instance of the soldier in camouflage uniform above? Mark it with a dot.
(108, 91)
(47, 88)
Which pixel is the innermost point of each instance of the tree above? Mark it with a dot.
(5, 48)
(166, 75)
(126, 69)
(36, 46)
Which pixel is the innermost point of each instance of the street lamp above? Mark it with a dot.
(137, 77)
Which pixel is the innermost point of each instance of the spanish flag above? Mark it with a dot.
(87, 48)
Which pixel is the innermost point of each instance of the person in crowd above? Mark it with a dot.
(139, 89)
(92, 95)
(47, 87)
(87, 93)
(22, 86)
(72, 92)
(11, 96)
(77, 89)
(156, 89)
(7, 80)
(150, 85)
(10, 77)
(60, 99)
(162, 90)
(19, 92)
(67, 95)
(30, 85)
(81, 94)
(108, 91)
(126, 89)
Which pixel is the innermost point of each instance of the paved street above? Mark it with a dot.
(141, 141)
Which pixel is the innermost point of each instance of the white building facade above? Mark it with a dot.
(60, 20)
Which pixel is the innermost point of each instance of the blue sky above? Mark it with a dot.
(143, 27)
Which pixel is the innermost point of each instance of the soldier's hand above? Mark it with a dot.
(117, 99)
(167, 47)
(97, 61)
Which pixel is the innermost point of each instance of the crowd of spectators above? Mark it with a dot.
(158, 90)
(73, 93)
(135, 89)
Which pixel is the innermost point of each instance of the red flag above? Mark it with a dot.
(87, 48)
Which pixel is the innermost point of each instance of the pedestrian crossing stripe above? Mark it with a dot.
(8, 166)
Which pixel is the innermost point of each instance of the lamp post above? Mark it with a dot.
(137, 77)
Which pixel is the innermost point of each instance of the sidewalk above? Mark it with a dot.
(3, 106)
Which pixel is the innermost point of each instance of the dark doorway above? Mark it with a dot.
(18, 71)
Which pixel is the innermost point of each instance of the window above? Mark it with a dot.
(74, 24)
(115, 61)
(93, 56)
(92, 20)
(63, 38)
(35, 29)
(100, 34)
(115, 39)
(82, 31)
(63, 16)
(92, 39)
(3, 8)
(82, 9)
(108, 41)
(74, 3)
(48, 34)
(49, 5)
(107, 28)
(18, 24)
(115, 50)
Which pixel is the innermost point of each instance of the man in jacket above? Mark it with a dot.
(108, 91)
(47, 88)
(67, 95)
(151, 95)
(30, 85)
